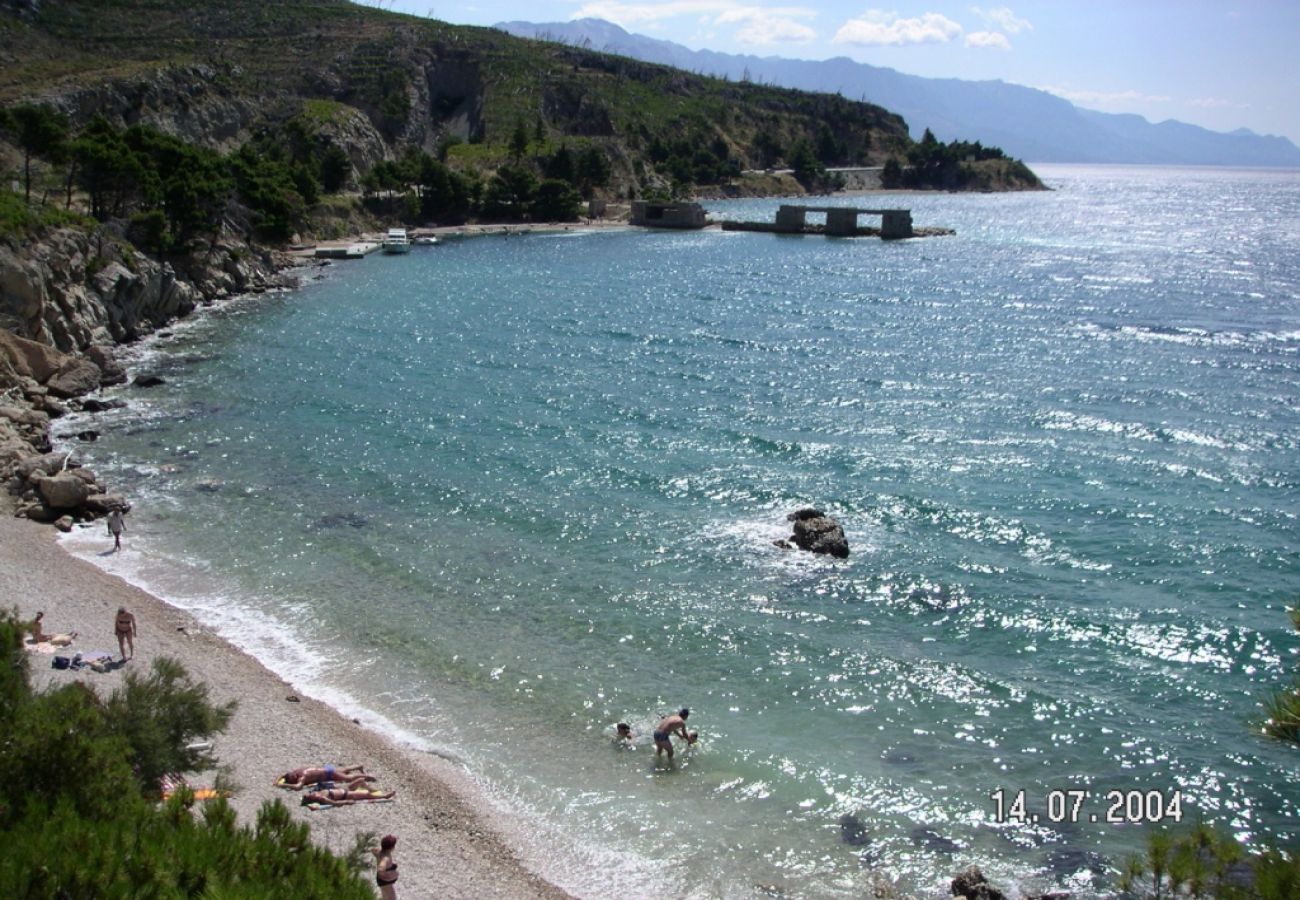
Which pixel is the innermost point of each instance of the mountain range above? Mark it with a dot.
(1025, 122)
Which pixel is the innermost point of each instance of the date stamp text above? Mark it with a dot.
(1077, 805)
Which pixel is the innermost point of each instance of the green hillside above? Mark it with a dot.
(376, 84)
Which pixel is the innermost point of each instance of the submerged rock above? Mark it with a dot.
(853, 832)
(932, 840)
(91, 405)
(148, 381)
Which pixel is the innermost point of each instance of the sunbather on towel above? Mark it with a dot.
(40, 637)
(309, 775)
(342, 797)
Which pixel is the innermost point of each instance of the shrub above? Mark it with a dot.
(161, 713)
(74, 822)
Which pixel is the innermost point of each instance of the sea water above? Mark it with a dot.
(497, 495)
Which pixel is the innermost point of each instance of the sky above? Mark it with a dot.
(1222, 65)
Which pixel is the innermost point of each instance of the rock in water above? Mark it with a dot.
(818, 533)
(972, 885)
(853, 832)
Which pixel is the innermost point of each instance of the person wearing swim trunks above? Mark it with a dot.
(667, 727)
(124, 628)
(310, 775)
(386, 867)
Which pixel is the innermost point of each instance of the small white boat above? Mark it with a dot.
(396, 241)
(425, 240)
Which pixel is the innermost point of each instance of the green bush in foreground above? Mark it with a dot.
(1200, 862)
(77, 779)
(1283, 707)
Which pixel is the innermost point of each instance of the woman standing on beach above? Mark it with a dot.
(124, 628)
(386, 867)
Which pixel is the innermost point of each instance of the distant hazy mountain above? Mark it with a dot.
(1025, 122)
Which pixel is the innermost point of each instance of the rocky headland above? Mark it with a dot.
(67, 299)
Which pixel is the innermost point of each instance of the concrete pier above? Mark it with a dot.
(841, 221)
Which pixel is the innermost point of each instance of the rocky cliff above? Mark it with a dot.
(66, 298)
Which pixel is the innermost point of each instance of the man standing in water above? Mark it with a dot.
(115, 527)
(668, 726)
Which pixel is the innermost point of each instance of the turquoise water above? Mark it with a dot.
(511, 491)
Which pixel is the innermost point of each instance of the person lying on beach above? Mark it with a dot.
(344, 797)
(309, 775)
(40, 637)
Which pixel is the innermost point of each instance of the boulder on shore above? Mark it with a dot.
(817, 532)
(63, 491)
(74, 378)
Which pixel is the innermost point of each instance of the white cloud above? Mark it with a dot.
(1104, 99)
(628, 14)
(987, 39)
(879, 28)
(1003, 18)
(763, 25)
(758, 24)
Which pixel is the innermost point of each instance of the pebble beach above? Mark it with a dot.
(450, 843)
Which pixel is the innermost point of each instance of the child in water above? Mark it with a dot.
(624, 736)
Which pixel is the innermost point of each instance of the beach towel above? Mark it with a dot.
(173, 782)
(318, 806)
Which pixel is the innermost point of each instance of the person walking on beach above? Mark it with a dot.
(386, 867)
(115, 527)
(668, 726)
(124, 628)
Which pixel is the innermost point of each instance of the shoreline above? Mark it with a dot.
(452, 841)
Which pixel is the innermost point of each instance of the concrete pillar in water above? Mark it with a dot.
(896, 223)
(790, 218)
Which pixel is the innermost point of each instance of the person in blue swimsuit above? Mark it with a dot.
(309, 775)
(667, 727)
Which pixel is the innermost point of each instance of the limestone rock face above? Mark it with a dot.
(817, 532)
